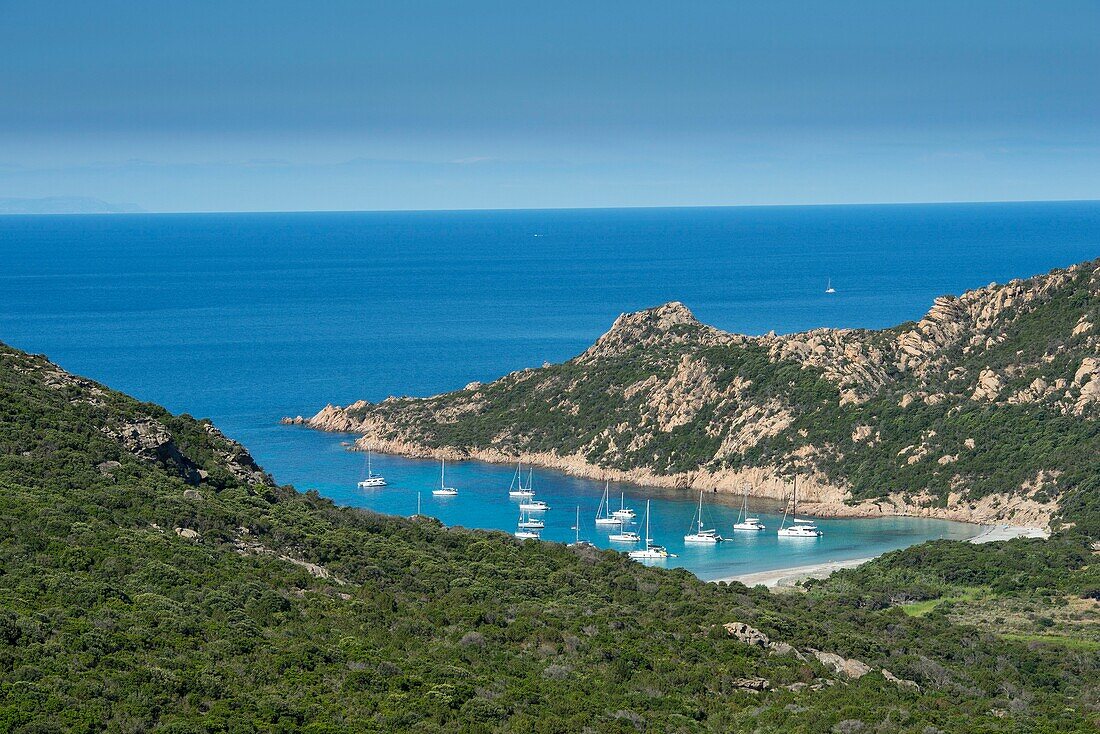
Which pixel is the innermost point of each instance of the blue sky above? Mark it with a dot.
(415, 105)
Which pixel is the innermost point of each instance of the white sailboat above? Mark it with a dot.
(651, 551)
(603, 513)
(534, 505)
(624, 512)
(516, 488)
(700, 535)
(798, 528)
(417, 515)
(444, 490)
(531, 523)
(624, 536)
(577, 542)
(372, 480)
(744, 520)
(829, 288)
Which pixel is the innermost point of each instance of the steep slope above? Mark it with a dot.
(985, 409)
(153, 578)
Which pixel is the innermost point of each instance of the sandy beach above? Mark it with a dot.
(782, 578)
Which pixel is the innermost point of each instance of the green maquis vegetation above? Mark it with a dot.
(153, 578)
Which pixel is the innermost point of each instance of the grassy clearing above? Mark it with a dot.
(1068, 641)
(921, 608)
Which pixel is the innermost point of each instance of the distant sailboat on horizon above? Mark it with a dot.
(829, 287)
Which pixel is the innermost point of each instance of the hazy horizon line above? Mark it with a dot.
(626, 207)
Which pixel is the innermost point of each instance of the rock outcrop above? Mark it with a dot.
(847, 668)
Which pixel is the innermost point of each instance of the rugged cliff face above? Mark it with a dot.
(985, 409)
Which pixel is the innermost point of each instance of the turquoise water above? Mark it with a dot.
(246, 318)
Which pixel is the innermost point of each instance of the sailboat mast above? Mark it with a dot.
(647, 539)
(700, 511)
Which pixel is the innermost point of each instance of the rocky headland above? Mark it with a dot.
(983, 411)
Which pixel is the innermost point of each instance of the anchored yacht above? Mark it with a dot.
(577, 542)
(624, 536)
(516, 488)
(798, 528)
(603, 513)
(744, 520)
(530, 523)
(624, 512)
(444, 490)
(372, 480)
(651, 551)
(700, 535)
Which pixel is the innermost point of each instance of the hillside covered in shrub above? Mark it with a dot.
(153, 578)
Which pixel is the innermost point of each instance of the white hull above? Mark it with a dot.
(700, 536)
(538, 524)
(372, 480)
(797, 532)
(534, 506)
(624, 538)
(752, 527)
(608, 521)
(522, 493)
(650, 554)
(526, 535)
(624, 514)
(703, 539)
(444, 490)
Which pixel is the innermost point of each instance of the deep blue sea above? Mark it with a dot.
(245, 318)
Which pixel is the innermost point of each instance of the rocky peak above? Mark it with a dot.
(659, 318)
(660, 324)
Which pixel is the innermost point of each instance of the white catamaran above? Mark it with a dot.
(744, 520)
(516, 488)
(372, 480)
(700, 535)
(444, 490)
(798, 528)
(603, 514)
(651, 551)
